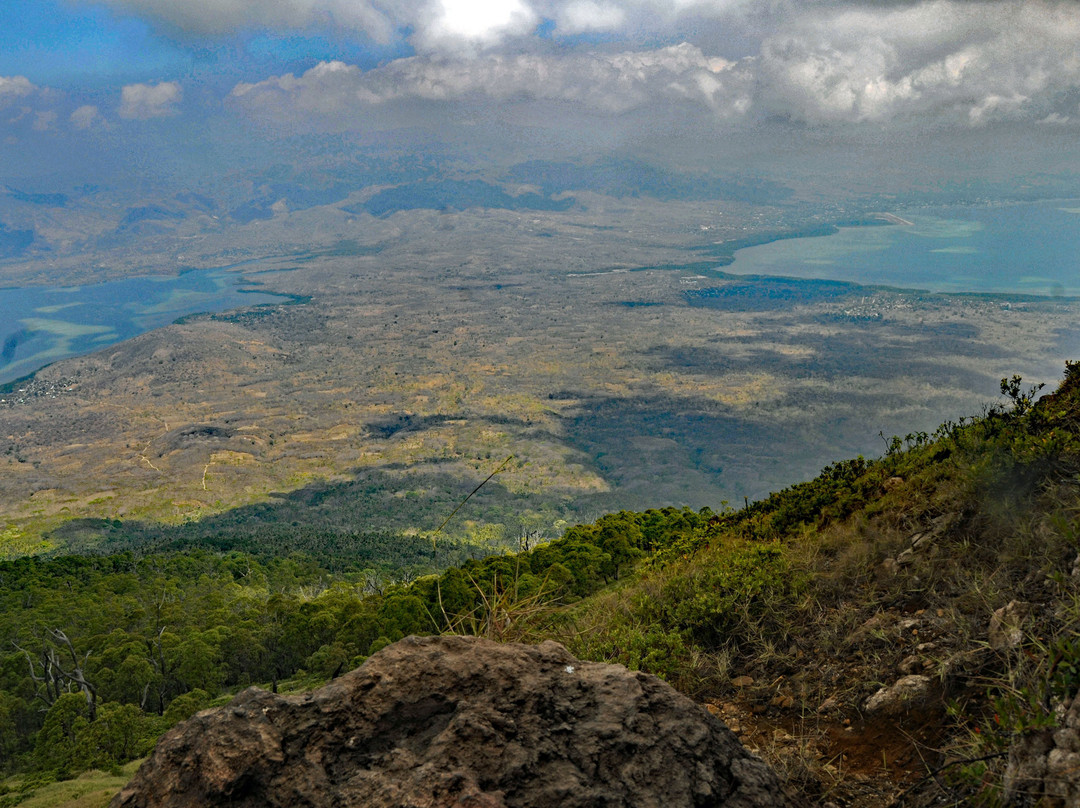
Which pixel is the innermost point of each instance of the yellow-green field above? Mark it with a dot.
(93, 789)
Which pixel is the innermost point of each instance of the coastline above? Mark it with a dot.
(81, 338)
(1019, 251)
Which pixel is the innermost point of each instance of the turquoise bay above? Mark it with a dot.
(41, 324)
(1017, 248)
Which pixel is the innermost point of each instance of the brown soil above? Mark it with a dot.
(869, 762)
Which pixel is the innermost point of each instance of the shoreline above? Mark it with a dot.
(1010, 284)
(238, 286)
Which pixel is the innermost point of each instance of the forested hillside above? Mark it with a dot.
(796, 617)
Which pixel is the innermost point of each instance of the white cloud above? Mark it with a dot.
(12, 88)
(327, 90)
(939, 62)
(431, 25)
(44, 120)
(474, 22)
(1055, 119)
(212, 17)
(646, 17)
(605, 84)
(586, 15)
(825, 62)
(142, 101)
(86, 116)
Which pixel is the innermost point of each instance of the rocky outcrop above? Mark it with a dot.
(442, 721)
(1044, 765)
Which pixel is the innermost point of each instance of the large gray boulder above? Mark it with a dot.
(442, 721)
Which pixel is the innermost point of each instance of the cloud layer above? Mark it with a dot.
(940, 61)
(607, 84)
(520, 66)
(937, 63)
(430, 24)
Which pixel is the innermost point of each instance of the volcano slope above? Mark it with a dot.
(894, 631)
(897, 631)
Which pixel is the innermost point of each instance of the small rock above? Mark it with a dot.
(893, 482)
(782, 701)
(905, 557)
(911, 664)
(922, 541)
(908, 692)
(1006, 625)
(889, 568)
(967, 663)
(742, 681)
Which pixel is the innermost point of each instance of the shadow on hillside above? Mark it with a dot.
(357, 523)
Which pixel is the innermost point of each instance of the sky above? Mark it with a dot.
(189, 87)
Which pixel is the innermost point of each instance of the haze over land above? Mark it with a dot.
(503, 228)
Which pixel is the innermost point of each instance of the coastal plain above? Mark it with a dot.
(598, 358)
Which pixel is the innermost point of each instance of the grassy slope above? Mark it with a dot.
(834, 588)
(91, 789)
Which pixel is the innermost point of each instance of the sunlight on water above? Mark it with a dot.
(957, 250)
(63, 328)
(54, 309)
(926, 227)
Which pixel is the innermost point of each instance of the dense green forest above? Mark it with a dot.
(100, 654)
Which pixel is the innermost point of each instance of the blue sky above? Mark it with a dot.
(69, 46)
(52, 43)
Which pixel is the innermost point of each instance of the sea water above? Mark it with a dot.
(41, 324)
(1016, 248)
